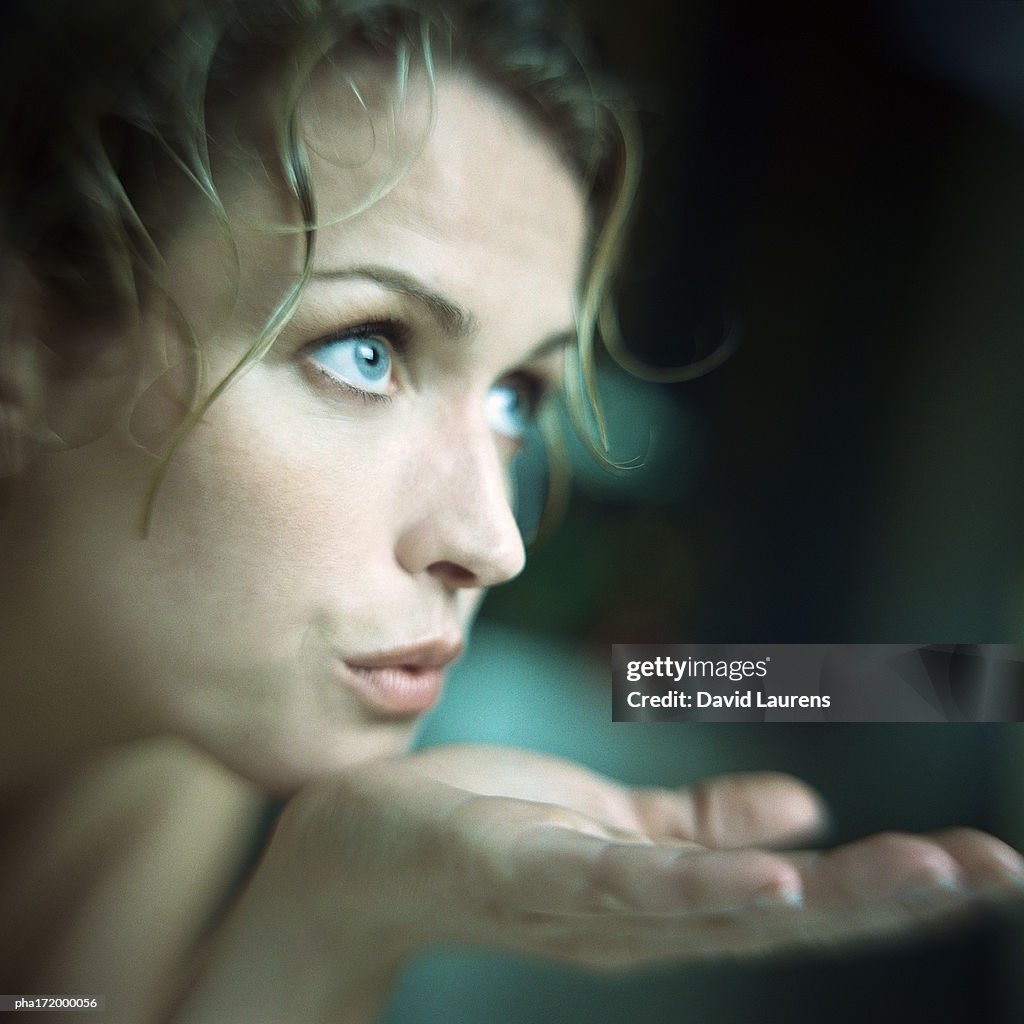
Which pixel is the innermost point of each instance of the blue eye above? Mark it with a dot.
(510, 408)
(362, 363)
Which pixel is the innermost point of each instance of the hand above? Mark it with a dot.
(512, 849)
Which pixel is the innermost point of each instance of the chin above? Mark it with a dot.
(284, 763)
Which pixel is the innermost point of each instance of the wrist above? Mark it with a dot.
(292, 952)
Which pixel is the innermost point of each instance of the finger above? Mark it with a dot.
(879, 868)
(744, 809)
(889, 884)
(629, 940)
(985, 863)
(566, 871)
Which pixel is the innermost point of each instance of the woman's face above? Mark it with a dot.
(324, 534)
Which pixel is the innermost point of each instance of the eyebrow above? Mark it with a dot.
(453, 319)
(551, 345)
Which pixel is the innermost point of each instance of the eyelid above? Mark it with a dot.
(338, 383)
(536, 385)
(393, 334)
(542, 381)
(536, 389)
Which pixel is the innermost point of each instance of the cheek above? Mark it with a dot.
(275, 507)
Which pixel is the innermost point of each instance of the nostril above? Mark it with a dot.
(454, 575)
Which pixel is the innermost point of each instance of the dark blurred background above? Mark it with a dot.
(845, 184)
(841, 185)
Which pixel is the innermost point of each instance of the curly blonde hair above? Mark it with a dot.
(128, 94)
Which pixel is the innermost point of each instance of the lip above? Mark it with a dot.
(402, 681)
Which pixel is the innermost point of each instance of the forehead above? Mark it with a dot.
(447, 180)
(440, 133)
(443, 167)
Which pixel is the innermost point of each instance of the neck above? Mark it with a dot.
(57, 710)
(63, 682)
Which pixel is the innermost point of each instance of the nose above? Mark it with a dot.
(459, 526)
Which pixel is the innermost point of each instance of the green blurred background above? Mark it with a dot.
(842, 185)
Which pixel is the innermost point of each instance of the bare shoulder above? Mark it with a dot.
(110, 875)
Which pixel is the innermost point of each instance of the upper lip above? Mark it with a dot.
(428, 654)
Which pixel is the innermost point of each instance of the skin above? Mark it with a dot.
(160, 685)
(350, 506)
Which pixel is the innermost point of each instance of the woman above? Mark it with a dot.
(285, 285)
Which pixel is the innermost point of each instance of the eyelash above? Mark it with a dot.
(393, 333)
(537, 388)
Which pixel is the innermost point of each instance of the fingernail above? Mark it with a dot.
(936, 888)
(1014, 877)
(772, 899)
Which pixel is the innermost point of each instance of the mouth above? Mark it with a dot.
(403, 681)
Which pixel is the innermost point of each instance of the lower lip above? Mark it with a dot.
(397, 690)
